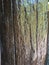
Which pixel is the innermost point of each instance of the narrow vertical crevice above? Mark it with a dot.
(32, 51)
(37, 29)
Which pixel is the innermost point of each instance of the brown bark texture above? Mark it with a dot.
(23, 32)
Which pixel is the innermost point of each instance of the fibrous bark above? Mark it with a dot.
(23, 32)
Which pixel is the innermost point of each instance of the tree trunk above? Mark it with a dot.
(24, 32)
